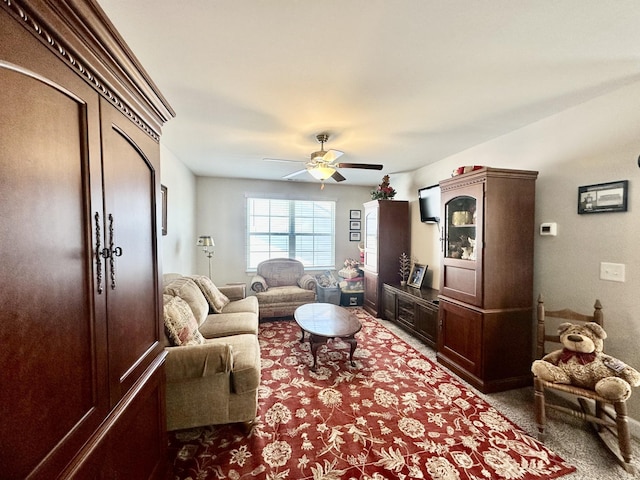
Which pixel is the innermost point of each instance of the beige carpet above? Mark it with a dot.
(569, 437)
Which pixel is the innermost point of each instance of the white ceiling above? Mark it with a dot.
(404, 83)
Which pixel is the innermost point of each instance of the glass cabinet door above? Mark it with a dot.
(371, 240)
(462, 243)
(460, 228)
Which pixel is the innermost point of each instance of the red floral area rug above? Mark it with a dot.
(395, 415)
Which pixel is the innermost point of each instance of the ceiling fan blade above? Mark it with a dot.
(294, 174)
(282, 160)
(332, 155)
(338, 177)
(366, 166)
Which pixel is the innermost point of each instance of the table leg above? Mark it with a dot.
(302, 339)
(315, 342)
(353, 343)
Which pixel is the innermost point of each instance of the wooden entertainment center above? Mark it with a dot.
(481, 319)
(415, 310)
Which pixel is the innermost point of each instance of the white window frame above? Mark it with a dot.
(309, 257)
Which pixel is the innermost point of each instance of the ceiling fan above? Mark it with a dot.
(322, 164)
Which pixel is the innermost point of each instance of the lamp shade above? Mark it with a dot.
(205, 241)
(322, 172)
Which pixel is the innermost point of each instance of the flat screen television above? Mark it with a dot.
(429, 201)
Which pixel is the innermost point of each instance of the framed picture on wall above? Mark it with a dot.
(354, 225)
(355, 214)
(603, 197)
(354, 236)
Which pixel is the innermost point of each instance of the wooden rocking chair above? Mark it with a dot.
(613, 430)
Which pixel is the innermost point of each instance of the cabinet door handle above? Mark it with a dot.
(112, 253)
(99, 253)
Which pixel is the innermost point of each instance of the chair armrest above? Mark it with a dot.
(259, 284)
(234, 291)
(197, 361)
(307, 282)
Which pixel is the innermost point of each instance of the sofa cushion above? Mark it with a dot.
(285, 294)
(247, 304)
(187, 289)
(180, 324)
(217, 300)
(228, 324)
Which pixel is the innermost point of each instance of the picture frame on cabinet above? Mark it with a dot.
(354, 225)
(354, 236)
(603, 197)
(163, 199)
(355, 214)
(416, 277)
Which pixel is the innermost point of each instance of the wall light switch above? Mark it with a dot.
(612, 271)
(549, 228)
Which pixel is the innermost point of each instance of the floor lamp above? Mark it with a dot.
(207, 244)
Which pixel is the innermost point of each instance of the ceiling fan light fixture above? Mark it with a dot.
(322, 172)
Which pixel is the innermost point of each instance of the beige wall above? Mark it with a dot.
(179, 243)
(221, 213)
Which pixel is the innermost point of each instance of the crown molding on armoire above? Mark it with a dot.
(80, 33)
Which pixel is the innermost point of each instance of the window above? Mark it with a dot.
(300, 229)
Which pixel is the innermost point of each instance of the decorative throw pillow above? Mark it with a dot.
(307, 282)
(179, 322)
(217, 300)
(186, 289)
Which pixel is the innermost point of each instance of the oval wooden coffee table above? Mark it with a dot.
(324, 321)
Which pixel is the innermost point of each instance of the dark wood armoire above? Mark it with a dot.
(81, 357)
(486, 282)
(386, 237)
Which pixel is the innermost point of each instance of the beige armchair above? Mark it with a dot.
(281, 286)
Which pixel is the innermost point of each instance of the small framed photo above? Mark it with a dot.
(354, 225)
(355, 214)
(354, 236)
(603, 197)
(416, 277)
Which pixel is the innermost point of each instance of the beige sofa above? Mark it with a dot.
(281, 286)
(213, 354)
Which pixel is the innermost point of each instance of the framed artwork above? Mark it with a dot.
(163, 199)
(416, 277)
(355, 214)
(603, 197)
(354, 225)
(354, 236)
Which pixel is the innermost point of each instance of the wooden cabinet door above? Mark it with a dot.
(460, 337)
(463, 237)
(389, 303)
(54, 389)
(371, 293)
(130, 163)
(426, 323)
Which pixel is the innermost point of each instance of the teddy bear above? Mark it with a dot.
(582, 363)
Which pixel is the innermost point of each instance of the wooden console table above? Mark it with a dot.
(413, 309)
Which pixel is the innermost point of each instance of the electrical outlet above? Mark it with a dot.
(612, 271)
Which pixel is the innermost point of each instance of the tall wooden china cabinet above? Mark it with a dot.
(386, 237)
(81, 355)
(486, 282)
